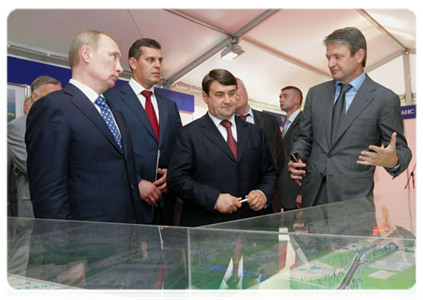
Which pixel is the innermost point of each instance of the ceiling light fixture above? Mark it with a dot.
(232, 51)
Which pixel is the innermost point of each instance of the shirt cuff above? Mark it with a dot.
(265, 198)
(395, 170)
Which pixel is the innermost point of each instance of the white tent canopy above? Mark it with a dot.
(282, 46)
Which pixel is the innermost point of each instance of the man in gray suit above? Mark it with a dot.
(16, 148)
(344, 146)
(290, 100)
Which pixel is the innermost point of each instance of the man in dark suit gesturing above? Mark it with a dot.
(344, 142)
(152, 120)
(272, 131)
(218, 160)
(80, 157)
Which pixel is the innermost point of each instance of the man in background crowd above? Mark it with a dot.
(290, 100)
(16, 148)
(272, 131)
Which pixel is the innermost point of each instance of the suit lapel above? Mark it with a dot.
(163, 116)
(87, 108)
(131, 100)
(293, 125)
(243, 136)
(327, 108)
(210, 131)
(362, 99)
(258, 119)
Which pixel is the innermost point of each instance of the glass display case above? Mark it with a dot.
(357, 244)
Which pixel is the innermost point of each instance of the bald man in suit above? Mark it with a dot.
(271, 129)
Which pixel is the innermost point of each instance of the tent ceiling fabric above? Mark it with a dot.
(282, 47)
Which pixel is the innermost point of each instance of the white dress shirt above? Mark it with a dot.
(138, 88)
(92, 96)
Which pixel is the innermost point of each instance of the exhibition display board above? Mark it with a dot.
(364, 243)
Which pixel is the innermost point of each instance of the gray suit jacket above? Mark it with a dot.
(371, 119)
(16, 150)
(290, 189)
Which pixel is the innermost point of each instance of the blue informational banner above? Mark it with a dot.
(281, 118)
(22, 71)
(184, 101)
(408, 112)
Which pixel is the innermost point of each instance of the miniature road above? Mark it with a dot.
(357, 262)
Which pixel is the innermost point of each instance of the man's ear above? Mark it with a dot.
(86, 53)
(205, 98)
(360, 55)
(132, 63)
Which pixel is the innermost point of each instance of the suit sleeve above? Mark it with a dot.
(279, 148)
(48, 139)
(16, 147)
(178, 116)
(269, 175)
(391, 121)
(181, 171)
(304, 141)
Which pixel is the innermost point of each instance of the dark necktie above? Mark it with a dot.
(151, 114)
(108, 118)
(230, 140)
(339, 110)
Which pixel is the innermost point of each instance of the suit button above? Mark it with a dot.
(329, 155)
(132, 186)
(134, 215)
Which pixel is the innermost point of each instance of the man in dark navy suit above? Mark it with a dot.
(80, 157)
(219, 160)
(152, 120)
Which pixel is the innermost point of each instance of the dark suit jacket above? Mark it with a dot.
(202, 167)
(290, 189)
(144, 140)
(272, 131)
(371, 119)
(75, 166)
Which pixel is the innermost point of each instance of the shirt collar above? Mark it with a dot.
(217, 121)
(137, 87)
(294, 115)
(249, 112)
(86, 90)
(356, 82)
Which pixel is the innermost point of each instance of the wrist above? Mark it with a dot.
(394, 164)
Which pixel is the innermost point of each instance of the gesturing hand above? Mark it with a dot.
(383, 157)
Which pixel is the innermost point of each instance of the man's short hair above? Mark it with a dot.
(87, 37)
(41, 80)
(352, 38)
(135, 50)
(297, 90)
(220, 75)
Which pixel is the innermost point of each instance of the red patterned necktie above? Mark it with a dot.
(230, 140)
(151, 114)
